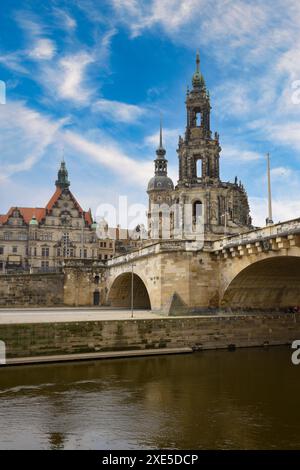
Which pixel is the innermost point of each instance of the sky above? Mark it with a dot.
(86, 80)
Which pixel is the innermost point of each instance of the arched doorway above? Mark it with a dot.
(120, 292)
(96, 297)
(273, 283)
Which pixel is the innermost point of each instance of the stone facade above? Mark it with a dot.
(31, 290)
(41, 238)
(221, 207)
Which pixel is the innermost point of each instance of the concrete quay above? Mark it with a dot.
(106, 334)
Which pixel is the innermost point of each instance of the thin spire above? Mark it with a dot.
(198, 61)
(269, 220)
(160, 132)
(160, 152)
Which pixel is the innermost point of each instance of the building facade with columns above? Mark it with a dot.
(200, 194)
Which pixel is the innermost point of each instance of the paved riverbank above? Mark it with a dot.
(80, 337)
(58, 315)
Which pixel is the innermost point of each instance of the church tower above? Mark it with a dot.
(198, 152)
(160, 189)
(200, 196)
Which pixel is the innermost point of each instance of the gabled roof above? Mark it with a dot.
(87, 215)
(26, 212)
(40, 213)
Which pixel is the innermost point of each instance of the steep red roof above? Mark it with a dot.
(40, 213)
(53, 199)
(87, 215)
(26, 212)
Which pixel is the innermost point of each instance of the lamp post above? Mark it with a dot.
(132, 275)
(269, 220)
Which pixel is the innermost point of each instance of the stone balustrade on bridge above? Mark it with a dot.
(281, 236)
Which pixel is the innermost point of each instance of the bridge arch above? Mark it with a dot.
(119, 294)
(272, 283)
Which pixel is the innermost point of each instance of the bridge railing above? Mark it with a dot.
(271, 231)
(156, 247)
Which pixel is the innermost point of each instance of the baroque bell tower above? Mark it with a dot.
(200, 195)
(198, 152)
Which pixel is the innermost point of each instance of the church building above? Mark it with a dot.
(200, 195)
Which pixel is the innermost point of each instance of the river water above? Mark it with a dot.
(245, 399)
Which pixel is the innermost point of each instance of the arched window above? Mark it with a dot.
(197, 209)
(199, 168)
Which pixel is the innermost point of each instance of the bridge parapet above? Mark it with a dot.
(276, 237)
(155, 248)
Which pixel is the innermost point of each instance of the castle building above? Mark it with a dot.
(41, 238)
(200, 194)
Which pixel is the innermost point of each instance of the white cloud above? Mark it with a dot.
(44, 49)
(281, 172)
(69, 83)
(287, 132)
(108, 154)
(65, 19)
(170, 137)
(283, 209)
(26, 129)
(233, 103)
(13, 61)
(66, 78)
(118, 111)
(239, 155)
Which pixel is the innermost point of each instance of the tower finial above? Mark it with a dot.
(198, 61)
(62, 176)
(160, 132)
(160, 152)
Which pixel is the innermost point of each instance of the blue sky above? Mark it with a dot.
(88, 80)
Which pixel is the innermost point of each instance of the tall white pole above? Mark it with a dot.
(269, 220)
(132, 290)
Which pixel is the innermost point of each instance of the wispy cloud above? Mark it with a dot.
(283, 209)
(118, 111)
(109, 155)
(64, 19)
(170, 137)
(26, 129)
(44, 49)
(68, 78)
(239, 154)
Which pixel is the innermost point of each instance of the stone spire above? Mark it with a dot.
(161, 163)
(161, 151)
(198, 80)
(160, 181)
(62, 177)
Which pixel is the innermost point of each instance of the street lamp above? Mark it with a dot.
(132, 266)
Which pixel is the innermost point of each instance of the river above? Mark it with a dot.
(243, 399)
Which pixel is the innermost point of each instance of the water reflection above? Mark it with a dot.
(212, 399)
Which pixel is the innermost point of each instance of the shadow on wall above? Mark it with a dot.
(269, 284)
(120, 292)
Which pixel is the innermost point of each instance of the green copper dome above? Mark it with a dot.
(94, 225)
(33, 221)
(197, 79)
(62, 177)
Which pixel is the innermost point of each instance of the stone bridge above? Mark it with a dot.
(257, 270)
(260, 269)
